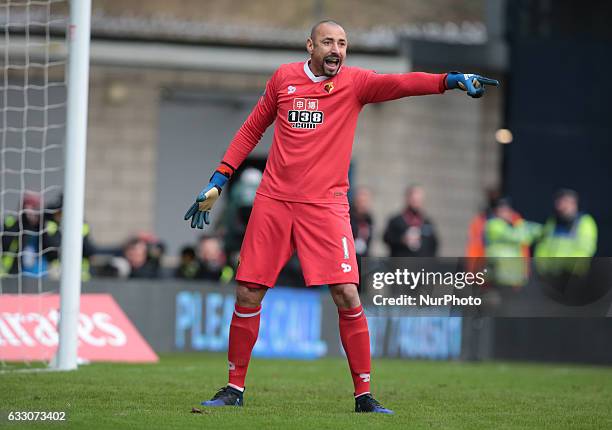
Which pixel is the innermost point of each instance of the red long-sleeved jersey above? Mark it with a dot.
(316, 119)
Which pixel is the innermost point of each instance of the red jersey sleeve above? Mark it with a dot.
(250, 133)
(370, 87)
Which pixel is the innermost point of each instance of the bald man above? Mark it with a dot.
(301, 203)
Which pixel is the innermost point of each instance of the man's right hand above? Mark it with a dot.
(199, 212)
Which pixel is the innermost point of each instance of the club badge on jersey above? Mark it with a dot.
(305, 113)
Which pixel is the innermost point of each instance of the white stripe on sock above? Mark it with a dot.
(361, 394)
(241, 315)
(241, 389)
(355, 315)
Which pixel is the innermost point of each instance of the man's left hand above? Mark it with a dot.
(473, 84)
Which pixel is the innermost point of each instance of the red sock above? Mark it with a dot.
(242, 338)
(356, 342)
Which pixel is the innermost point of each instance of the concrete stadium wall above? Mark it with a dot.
(444, 142)
(122, 143)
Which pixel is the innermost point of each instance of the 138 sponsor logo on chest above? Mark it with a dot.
(305, 113)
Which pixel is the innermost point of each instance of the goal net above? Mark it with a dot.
(33, 125)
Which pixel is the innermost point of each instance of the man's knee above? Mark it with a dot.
(345, 296)
(250, 295)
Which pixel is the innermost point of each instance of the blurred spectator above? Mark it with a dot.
(53, 240)
(21, 235)
(212, 260)
(411, 233)
(137, 255)
(189, 266)
(361, 221)
(506, 238)
(133, 263)
(568, 233)
(238, 211)
(155, 250)
(475, 248)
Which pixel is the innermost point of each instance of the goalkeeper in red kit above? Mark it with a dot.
(301, 204)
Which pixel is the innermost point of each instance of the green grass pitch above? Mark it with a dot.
(315, 395)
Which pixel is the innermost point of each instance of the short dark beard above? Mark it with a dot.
(329, 75)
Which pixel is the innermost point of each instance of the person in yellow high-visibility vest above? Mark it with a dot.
(568, 233)
(53, 241)
(505, 240)
(22, 240)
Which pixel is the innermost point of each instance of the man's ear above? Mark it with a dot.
(309, 46)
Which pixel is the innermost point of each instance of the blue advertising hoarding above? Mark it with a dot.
(290, 327)
(296, 324)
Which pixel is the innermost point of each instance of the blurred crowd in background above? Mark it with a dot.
(31, 242)
(143, 104)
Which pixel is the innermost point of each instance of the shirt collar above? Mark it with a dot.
(311, 75)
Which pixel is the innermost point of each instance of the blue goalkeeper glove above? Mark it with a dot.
(473, 84)
(199, 212)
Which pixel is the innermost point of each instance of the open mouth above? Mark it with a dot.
(332, 62)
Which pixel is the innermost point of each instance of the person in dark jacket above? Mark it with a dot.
(135, 262)
(412, 233)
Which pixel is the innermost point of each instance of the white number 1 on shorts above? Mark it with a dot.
(345, 247)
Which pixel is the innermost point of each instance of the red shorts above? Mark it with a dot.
(320, 233)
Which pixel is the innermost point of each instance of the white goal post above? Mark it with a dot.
(43, 131)
(78, 36)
